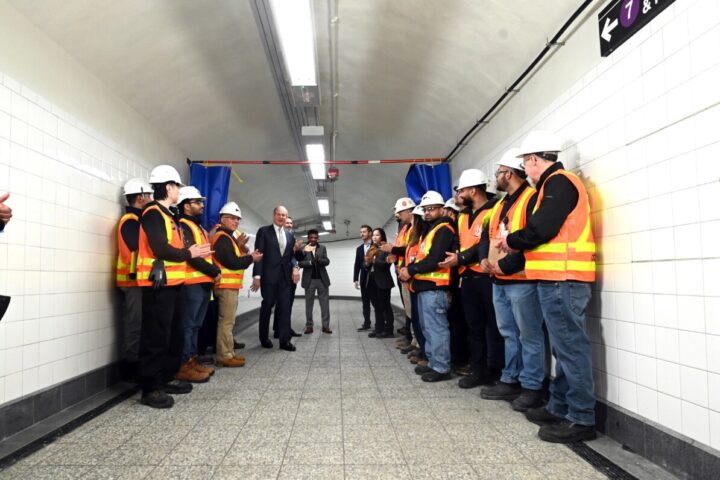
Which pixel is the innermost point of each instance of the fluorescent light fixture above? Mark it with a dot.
(294, 24)
(327, 225)
(317, 170)
(323, 233)
(324, 206)
(316, 156)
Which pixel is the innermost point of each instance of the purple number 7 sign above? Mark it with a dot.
(629, 12)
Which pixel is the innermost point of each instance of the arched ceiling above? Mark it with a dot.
(413, 76)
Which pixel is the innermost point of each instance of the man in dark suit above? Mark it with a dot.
(315, 278)
(360, 274)
(274, 275)
(293, 287)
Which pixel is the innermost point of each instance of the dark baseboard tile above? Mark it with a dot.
(672, 451)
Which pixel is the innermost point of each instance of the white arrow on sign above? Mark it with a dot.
(608, 28)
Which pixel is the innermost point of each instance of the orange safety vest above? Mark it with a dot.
(441, 276)
(228, 278)
(126, 265)
(193, 276)
(470, 235)
(571, 254)
(174, 271)
(516, 219)
(402, 240)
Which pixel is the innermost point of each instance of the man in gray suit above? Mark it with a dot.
(315, 278)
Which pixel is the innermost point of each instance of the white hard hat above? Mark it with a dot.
(451, 204)
(470, 178)
(418, 211)
(404, 203)
(231, 208)
(189, 193)
(510, 159)
(137, 185)
(165, 173)
(540, 141)
(431, 197)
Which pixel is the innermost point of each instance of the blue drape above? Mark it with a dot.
(213, 183)
(421, 178)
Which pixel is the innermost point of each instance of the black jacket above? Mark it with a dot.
(444, 241)
(274, 267)
(380, 272)
(199, 264)
(360, 270)
(317, 260)
(153, 224)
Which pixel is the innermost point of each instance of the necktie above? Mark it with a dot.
(281, 240)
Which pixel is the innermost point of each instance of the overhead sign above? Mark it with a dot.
(622, 18)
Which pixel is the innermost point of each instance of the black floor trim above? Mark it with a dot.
(600, 463)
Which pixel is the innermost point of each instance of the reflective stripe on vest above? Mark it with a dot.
(402, 240)
(571, 254)
(441, 276)
(232, 279)
(469, 235)
(193, 276)
(174, 271)
(516, 218)
(126, 265)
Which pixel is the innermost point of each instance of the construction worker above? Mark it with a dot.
(517, 308)
(431, 282)
(232, 262)
(162, 258)
(200, 276)
(403, 214)
(559, 250)
(138, 193)
(485, 342)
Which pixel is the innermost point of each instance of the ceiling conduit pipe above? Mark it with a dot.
(512, 88)
(327, 162)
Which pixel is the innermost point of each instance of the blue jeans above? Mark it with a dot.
(571, 391)
(415, 319)
(519, 319)
(433, 306)
(195, 304)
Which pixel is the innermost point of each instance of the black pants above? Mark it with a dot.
(380, 298)
(293, 287)
(486, 344)
(161, 344)
(408, 320)
(275, 295)
(207, 336)
(459, 345)
(365, 300)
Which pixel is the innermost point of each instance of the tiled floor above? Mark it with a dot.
(341, 406)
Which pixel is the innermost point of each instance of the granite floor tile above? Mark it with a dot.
(197, 454)
(15, 471)
(417, 452)
(491, 453)
(246, 472)
(453, 471)
(570, 470)
(87, 454)
(373, 453)
(377, 472)
(114, 473)
(181, 473)
(311, 472)
(313, 433)
(56, 472)
(318, 453)
(257, 453)
(137, 454)
(510, 472)
(361, 433)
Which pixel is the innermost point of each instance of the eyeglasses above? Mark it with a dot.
(201, 202)
(500, 172)
(429, 209)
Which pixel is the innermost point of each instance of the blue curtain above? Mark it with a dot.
(213, 183)
(421, 178)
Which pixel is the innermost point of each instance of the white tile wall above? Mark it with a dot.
(641, 127)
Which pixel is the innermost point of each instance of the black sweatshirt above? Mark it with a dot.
(560, 197)
(471, 255)
(130, 230)
(199, 264)
(225, 252)
(153, 224)
(444, 241)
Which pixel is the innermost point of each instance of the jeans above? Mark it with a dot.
(415, 319)
(571, 391)
(433, 306)
(519, 319)
(195, 304)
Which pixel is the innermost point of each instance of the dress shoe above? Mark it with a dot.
(420, 370)
(238, 345)
(287, 346)
(157, 399)
(528, 399)
(408, 349)
(541, 416)
(293, 333)
(385, 335)
(266, 343)
(501, 391)
(434, 376)
(372, 335)
(178, 387)
(231, 362)
(363, 328)
(308, 330)
(189, 373)
(326, 330)
(567, 432)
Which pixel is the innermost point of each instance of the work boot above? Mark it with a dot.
(463, 370)
(541, 416)
(178, 387)
(528, 399)
(501, 391)
(420, 370)
(232, 362)
(435, 376)
(188, 373)
(308, 330)
(401, 343)
(157, 399)
(567, 432)
(202, 368)
(408, 349)
(422, 362)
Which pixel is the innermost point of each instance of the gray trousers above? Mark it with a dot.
(131, 323)
(324, 297)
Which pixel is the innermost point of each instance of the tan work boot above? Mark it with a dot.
(422, 363)
(414, 360)
(230, 362)
(189, 374)
(202, 368)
